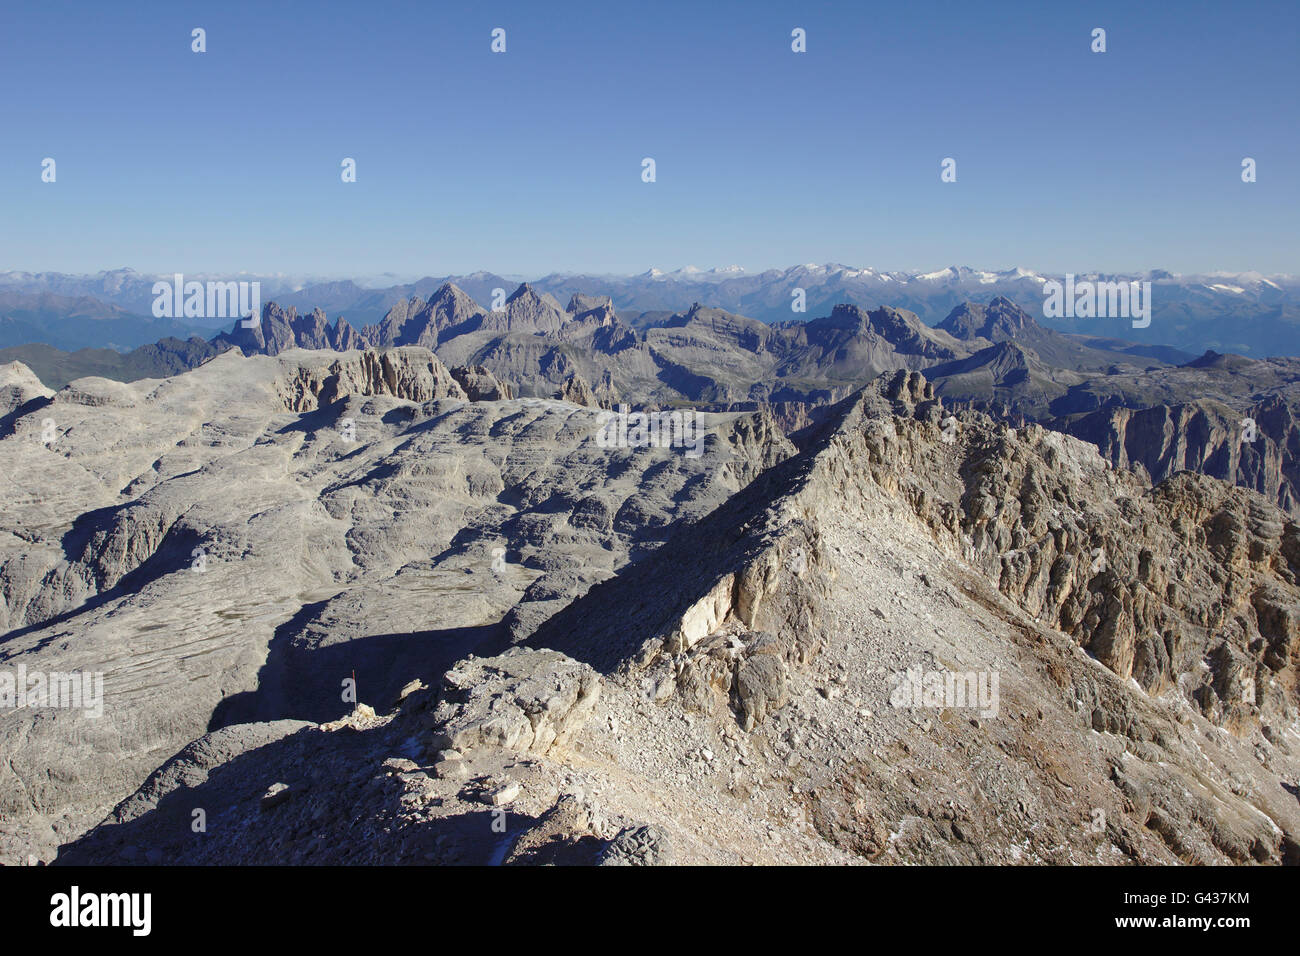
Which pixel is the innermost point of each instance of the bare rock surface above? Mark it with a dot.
(480, 385)
(575, 389)
(523, 700)
(229, 546)
(922, 639)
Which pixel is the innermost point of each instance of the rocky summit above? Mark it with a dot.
(342, 602)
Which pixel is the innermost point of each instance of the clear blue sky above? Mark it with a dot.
(529, 162)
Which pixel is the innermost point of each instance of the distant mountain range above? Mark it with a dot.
(1147, 405)
(1245, 313)
(78, 321)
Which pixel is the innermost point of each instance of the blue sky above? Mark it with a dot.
(530, 161)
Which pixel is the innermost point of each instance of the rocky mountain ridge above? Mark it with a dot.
(1137, 403)
(663, 660)
(1246, 313)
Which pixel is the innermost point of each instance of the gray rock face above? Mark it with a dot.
(278, 330)
(528, 311)
(480, 385)
(606, 392)
(760, 688)
(1205, 437)
(1000, 321)
(411, 374)
(714, 648)
(645, 845)
(576, 390)
(416, 322)
(1149, 580)
(19, 386)
(523, 701)
(251, 533)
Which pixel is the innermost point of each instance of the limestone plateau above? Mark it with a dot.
(570, 653)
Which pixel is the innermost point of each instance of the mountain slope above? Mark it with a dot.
(734, 694)
(249, 532)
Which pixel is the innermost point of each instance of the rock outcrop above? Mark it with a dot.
(522, 701)
(1256, 447)
(480, 385)
(576, 391)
